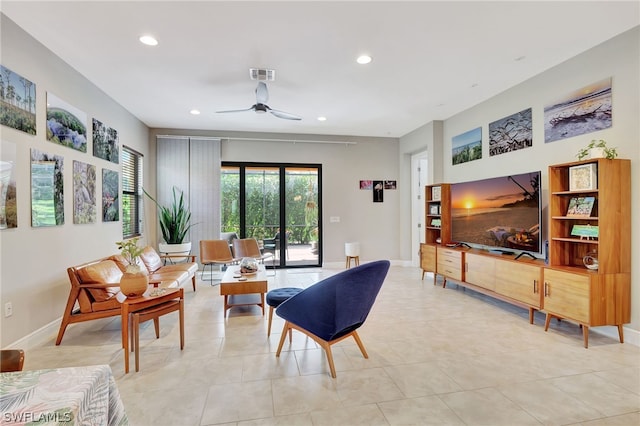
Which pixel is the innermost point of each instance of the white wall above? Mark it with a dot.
(34, 260)
(617, 58)
(375, 225)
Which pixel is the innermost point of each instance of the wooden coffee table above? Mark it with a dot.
(238, 292)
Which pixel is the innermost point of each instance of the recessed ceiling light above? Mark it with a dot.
(322, 118)
(363, 59)
(195, 112)
(148, 40)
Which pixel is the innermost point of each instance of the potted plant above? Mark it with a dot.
(134, 281)
(175, 223)
(597, 148)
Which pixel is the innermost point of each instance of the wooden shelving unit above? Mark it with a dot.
(590, 297)
(437, 224)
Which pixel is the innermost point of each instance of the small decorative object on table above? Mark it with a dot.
(248, 266)
(134, 281)
(591, 260)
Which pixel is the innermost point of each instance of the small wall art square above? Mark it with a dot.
(585, 110)
(378, 191)
(84, 193)
(110, 196)
(66, 124)
(466, 146)
(511, 133)
(47, 189)
(8, 199)
(105, 142)
(17, 101)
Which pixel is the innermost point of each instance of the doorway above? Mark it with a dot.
(419, 174)
(277, 204)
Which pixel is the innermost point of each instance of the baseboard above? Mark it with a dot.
(631, 336)
(37, 338)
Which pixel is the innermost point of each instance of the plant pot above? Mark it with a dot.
(597, 153)
(134, 284)
(173, 249)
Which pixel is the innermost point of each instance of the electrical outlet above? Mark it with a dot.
(8, 309)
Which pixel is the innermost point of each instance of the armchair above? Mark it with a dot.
(334, 308)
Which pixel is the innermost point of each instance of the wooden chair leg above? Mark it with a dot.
(285, 329)
(327, 349)
(156, 324)
(269, 323)
(360, 345)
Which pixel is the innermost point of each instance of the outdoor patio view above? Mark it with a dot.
(276, 205)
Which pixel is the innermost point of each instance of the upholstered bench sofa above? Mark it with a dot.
(95, 284)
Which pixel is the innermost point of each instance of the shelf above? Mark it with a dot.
(574, 218)
(592, 191)
(574, 240)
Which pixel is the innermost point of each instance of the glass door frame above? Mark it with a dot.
(282, 167)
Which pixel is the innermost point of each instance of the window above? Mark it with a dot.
(131, 193)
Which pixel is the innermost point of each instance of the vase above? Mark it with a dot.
(134, 284)
(597, 153)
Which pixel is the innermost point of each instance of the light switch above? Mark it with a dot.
(334, 219)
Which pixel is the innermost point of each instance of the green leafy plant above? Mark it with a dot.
(609, 153)
(175, 219)
(130, 250)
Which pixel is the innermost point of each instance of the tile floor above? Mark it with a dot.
(436, 356)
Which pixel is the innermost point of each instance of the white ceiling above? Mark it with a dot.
(431, 60)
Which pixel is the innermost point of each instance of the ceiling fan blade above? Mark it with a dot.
(262, 93)
(285, 115)
(237, 110)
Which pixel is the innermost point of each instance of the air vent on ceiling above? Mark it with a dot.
(262, 74)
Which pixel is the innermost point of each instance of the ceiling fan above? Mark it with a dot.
(262, 97)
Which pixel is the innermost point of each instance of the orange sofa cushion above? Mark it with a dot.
(151, 259)
(105, 272)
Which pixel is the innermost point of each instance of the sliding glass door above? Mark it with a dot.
(278, 205)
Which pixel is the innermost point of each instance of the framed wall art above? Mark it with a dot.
(110, 196)
(66, 124)
(105, 142)
(84, 192)
(583, 177)
(47, 189)
(17, 102)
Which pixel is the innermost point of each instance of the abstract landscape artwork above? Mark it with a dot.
(511, 133)
(8, 205)
(17, 101)
(110, 198)
(84, 193)
(105, 142)
(66, 124)
(47, 189)
(466, 146)
(585, 110)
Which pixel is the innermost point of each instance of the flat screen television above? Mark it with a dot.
(501, 213)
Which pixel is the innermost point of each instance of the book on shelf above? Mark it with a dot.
(581, 206)
(585, 231)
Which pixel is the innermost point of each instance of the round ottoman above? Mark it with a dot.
(275, 297)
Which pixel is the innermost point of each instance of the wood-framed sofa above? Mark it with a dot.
(95, 284)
